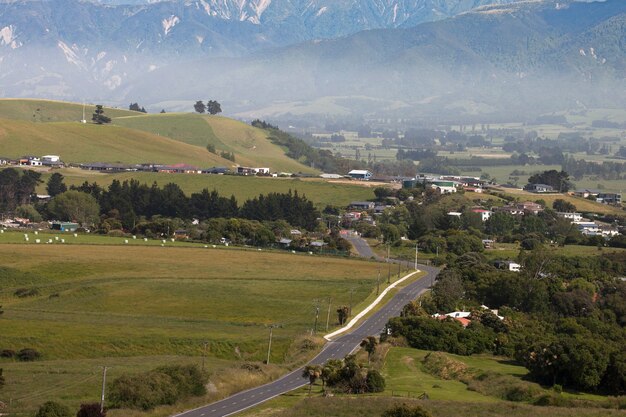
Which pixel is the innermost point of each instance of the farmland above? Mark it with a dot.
(99, 304)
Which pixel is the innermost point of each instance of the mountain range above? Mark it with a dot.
(272, 57)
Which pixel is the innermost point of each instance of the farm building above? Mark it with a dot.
(64, 226)
(360, 174)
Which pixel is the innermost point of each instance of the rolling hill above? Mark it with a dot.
(41, 127)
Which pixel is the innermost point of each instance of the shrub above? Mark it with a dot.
(26, 292)
(406, 411)
(90, 410)
(53, 409)
(164, 385)
(375, 381)
(444, 367)
(28, 355)
(7, 353)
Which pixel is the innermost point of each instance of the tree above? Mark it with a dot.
(91, 410)
(342, 314)
(369, 344)
(558, 180)
(213, 107)
(1, 378)
(563, 206)
(53, 409)
(312, 372)
(55, 185)
(27, 211)
(99, 117)
(375, 381)
(499, 224)
(75, 206)
(199, 107)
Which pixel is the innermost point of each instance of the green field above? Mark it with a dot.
(97, 304)
(249, 144)
(406, 380)
(319, 191)
(46, 111)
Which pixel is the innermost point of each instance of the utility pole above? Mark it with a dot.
(416, 256)
(104, 381)
(351, 292)
(328, 316)
(388, 273)
(317, 315)
(378, 282)
(269, 345)
(399, 271)
(205, 344)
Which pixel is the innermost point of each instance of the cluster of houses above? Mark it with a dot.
(51, 161)
(464, 317)
(614, 199)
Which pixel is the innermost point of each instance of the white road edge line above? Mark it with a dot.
(367, 309)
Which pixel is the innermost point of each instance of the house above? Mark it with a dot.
(586, 193)
(51, 158)
(473, 189)
(4, 160)
(609, 198)
(488, 243)
(295, 232)
(252, 171)
(530, 207)
(456, 214)
(64, 226)
(484, 213)
(443, 187)
(285, 242)
(362, 205)
(539, 188)
(215, 170)
(360, 174)
(32, 161)
(318, 244)
(508, 265)
(588, 228)
(181, 234)
(574, 217)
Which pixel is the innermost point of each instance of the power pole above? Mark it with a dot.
(378, 282)
(269, 345)
(399, 271)
(317, 315)
(351, 292)
(416, 256)
(328, 316)
(104, 381)
(388, 273)
(206, 344)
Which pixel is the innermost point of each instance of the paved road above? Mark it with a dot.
(336, 349)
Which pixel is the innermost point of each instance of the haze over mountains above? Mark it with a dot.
(388, 58)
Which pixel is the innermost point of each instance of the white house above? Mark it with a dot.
(574, 217)
(50, 158)
(484, 214)
(588, 228)
(360, 174)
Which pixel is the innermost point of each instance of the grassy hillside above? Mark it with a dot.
(319, 191)
(250, 145)
(137, 307)
(76, 142)
(51, 127)
(51, 111)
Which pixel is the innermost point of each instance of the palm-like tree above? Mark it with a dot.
(369, 344)
(312, 372)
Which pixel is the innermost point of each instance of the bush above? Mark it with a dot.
(406, 411)
(164, 385)
(53, 409)
(28, 355)
(7, 353)
(26, 292)
(375, 381)
(90, 410)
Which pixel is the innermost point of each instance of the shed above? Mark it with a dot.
(65, 226)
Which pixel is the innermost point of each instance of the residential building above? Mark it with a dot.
(574, 217)
(539, 188)
(609, 198)
(360, 174)
(331, 176)
(362, 205)
(484, 213)
(508, 265)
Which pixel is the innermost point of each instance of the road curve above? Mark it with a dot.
(335, 349)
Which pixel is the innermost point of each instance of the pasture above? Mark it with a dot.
(138, 307)
(319, 191)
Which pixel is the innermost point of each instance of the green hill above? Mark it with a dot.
(76, 142)
(52, 127)
(249, 144)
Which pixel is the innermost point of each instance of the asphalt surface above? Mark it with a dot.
(338, 348)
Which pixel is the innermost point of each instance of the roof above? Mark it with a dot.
(359, 172)
(284, 241)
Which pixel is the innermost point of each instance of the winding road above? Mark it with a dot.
(337, 348)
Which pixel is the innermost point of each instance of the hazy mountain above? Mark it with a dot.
(510, 57)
